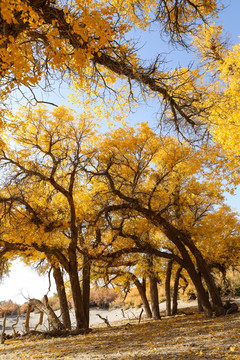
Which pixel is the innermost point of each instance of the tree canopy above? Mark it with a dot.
(94, 203)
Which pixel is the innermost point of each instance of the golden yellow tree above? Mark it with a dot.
(220, 71)
(41, 40)
(47, 182)
(157, 178)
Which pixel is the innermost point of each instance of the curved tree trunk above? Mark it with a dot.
(46, 308)
(175, 291)
(57, 274)
(142, 293)
(181, 240)
(206, 274)
(168, 288)
(196, 279)
(201, 293)
(154, 298)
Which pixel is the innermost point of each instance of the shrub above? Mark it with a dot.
(23, 308)
(133, 299)
(103, 297)
(10, 308)
(54, 302)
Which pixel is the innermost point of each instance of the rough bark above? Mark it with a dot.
(73, 263)
(3, 328)
(200, 308)
(27, 326)
(168, 288)
(57, 274)
(196, 279)
(178, 239)
(81, 322)
(40, 321)
(154, 298)
(206, 274)
(142, 293)
(86, 287)
(175, 291)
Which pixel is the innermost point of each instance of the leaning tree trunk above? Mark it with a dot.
(142, 293)
(154, 298)
(201, 293)
(181, 240)
(57, 274)
(196, 279)
(207, 276)
(86, 287)
(175, 291)
(168, 288)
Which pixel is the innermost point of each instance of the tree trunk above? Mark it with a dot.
(181, 239)
(206, 274)
(27, 321)
(57, 274)
(142, 292)
(200, 308)
(86, 287)
(81, 322)
(154, 298)
(175, 291)
(196, 279)
(3, 328)
(168, 288)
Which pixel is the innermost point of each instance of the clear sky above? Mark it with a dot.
(22, 282)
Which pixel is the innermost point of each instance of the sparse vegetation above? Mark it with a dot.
(9, 307)
(104, 297)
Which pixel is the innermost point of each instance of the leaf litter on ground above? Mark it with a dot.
(181, 337)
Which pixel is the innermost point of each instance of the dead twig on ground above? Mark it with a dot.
(104, 319)
(140, 315)
(14, 325)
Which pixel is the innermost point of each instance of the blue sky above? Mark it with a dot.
(25, 281)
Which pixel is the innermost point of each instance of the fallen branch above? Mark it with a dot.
(139, 319)
(14, 325)
(135, 317)
(104, 319)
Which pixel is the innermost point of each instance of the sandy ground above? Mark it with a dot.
(113, 315)
(182, 337)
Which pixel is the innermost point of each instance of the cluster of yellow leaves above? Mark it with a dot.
(221, 63)
(33, 45)
(45, 146)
